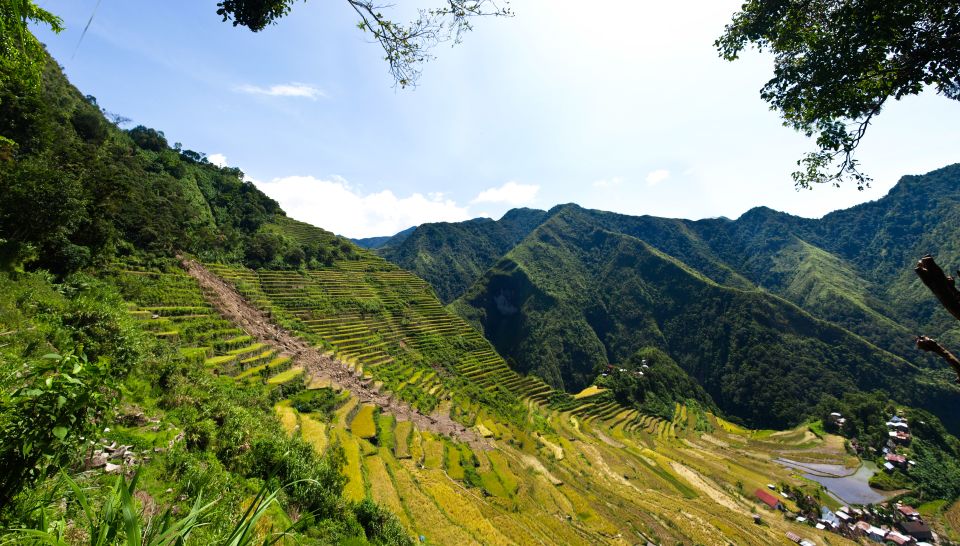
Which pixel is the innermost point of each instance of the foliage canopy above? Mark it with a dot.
(838, 62)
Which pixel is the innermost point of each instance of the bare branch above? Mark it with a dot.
(407, 46)
(940, 284)
(930, 345)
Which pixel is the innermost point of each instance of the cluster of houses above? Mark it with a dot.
(611, 369)
(899, 432)
(908, 527)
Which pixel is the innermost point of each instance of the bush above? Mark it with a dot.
(321, 401)
(380, 526)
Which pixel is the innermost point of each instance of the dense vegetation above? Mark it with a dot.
(576, 295)
(71, 348)
(651, 381)
(89, 212)
(450, 256)
(107, 192)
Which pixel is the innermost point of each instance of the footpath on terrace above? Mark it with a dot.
(256, 323)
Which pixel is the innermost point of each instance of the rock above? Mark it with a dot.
(98, 460)
(111, 468)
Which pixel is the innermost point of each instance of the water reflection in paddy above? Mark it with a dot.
(851, 486)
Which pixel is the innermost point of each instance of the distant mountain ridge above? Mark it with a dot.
(732, 301)
(374, 243)
(451, 256)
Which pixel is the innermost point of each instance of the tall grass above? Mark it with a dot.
(120, 522)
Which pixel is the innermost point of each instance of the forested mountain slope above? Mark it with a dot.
(450, 256)
(880, 241)
(572, 298)
(385, 241)
(851, 268)
(105, 192)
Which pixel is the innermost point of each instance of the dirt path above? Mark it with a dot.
(256, 323)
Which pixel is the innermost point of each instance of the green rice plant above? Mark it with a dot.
(218, 360)
(454, 468)
(502, 469)
(385, 426)
(286, 376)
(401, 436)
(363, 424)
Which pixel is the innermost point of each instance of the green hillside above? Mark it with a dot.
(109, 193)
(572, 298)
(451, 256)
(182, 363)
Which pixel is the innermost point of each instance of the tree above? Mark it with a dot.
(21, 55)
(406, 45)
(838, 62)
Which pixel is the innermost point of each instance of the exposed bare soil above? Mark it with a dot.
(224, 297)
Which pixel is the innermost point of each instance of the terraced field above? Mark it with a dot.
(589, 472)
(171, 305)
(387, 325)
(607, 487)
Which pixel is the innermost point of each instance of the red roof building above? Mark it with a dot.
(908, 512)
(768, 499)
(899, 460)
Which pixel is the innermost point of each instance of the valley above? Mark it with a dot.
(571, 475)
(185, 359)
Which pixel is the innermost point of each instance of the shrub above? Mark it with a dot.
(320, 401)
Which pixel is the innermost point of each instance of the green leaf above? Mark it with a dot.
(60, 432)
(52, 356)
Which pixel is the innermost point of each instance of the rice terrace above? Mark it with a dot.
(566, 282)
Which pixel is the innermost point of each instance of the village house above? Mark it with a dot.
(899, 436)
(876, 534)
(917, 529)
(898, 538)
(766, 498)
(896, 460)
(908, 512)
(839, 419)
(844, 517)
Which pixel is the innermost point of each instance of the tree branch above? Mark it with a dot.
(930, 345)
(940, 284)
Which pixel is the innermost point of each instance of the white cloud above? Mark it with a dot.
(337, 206)
(657, 177)
(510, 193)
(608, 182)
(284, 90)
(219, 160)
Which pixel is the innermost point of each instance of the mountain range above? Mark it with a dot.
(768, 312)
(168, 331)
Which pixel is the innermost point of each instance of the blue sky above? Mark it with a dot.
(616, 105)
